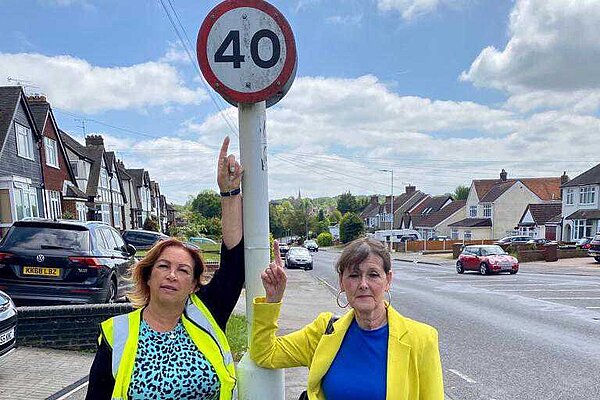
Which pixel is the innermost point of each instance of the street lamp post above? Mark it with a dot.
(392, 204)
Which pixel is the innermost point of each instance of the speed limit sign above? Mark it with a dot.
(247, 52)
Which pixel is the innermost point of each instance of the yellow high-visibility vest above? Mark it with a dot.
(122, 334)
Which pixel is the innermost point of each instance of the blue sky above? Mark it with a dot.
(441, 91)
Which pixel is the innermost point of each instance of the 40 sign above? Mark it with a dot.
(247, 52)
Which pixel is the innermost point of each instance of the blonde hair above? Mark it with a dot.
(140, 274)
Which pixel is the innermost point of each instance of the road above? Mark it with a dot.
(533, 335)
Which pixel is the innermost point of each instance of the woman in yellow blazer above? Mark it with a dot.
(372, 352)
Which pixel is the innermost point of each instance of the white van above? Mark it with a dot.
(397, 235)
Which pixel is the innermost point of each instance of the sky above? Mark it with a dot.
(439, 91)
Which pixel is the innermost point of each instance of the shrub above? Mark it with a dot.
(351, 227)
(325, 239)
(151, 224)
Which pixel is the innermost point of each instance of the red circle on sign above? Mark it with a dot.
(234, 96)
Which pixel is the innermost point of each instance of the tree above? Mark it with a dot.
(275, 221)
(207, 204)
(321, 215)
(335, 216)
(347, 203)
(325, 239)
(351, 227)
(151, 224)
(460, 193)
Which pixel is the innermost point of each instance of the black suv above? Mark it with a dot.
(45, 261)
(142, 240)
(594, 249)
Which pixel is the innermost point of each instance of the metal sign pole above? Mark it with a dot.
(255, 383)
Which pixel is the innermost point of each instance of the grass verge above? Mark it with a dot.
(237, 333)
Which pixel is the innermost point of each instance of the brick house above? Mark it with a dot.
(141, 182)
(61, 194)
(537, 220)
(21, 174)
(495, 206)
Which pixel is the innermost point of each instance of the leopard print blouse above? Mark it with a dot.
(168, 365)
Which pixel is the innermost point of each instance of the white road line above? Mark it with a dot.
(461, 375)
(66, 395)
(548, 290)
(593, 308)
(326, 283)
(568, 298)
(540, 284)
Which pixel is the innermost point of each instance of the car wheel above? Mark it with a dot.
(483, 269)
(308, 268)
(111, 295)
(460, 268)
(513, 272)
(597, 259)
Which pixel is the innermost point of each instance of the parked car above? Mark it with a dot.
(408, 238)
(141, 239)
(299, 257)
(47, 261)
(513, 240)
(540, 241)
(283, 248)
(8, 324)
(584, 243)
(594, 249)
(311, 245)
(486, 259)
(440, 238)
(202, 240)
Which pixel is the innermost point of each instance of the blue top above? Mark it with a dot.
(359, 369)
(168, 365)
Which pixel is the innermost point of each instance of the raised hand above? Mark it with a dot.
(274, 278)
(229, 171)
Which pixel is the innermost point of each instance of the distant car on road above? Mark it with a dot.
(8, 324)
(584, 243)
(201, 240)
(45, 261)
(283, 248)
(513, 240)
(594, 249)
(311, 245)
(540, 241)
(299, 257)
(440, 238)
(486, 259)
(141, 239)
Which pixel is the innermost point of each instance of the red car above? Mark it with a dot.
(486, 259)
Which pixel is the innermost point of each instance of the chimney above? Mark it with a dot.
(37, 99)
(410, 189)
(564, 178)
(503, 175)
(374, 199)
(94, 140)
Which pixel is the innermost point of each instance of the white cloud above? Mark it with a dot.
(86, 4)
(345, 19)
(175, 54)
(411, 9)
(551, 59)
(74, 84)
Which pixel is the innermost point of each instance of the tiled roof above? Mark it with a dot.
(74, 145)
(585, 214)
(434, 219)
(9, 98)
(96, 153)
(370, 210)
(40, 113)
(75, 192)
(545, 188)
(542, 213)
(473, 223)
(589, 177)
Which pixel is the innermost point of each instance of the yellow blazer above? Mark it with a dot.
(414, 370)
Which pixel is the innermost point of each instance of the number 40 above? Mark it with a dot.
(237, 58)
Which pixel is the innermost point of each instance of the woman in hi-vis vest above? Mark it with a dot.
(174, 346)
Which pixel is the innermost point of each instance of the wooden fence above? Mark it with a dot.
(435, 245)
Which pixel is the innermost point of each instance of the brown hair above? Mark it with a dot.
(140, 294)
(358, 251)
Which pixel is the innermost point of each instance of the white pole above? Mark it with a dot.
(392, 200)
(255, 383)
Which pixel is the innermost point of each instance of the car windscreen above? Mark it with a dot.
(493, 250)
(299, 252)
(597, 238)
(44, 238)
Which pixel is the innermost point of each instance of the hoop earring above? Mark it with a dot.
(337, 300)
(389, 296)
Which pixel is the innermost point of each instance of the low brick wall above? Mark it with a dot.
(572, 253)
(531, 255)
(73, 327)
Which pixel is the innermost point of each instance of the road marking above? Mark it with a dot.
(326, 283)
(568, 298)
(69, 390)
(593, 308)
(461, 375)
(548, 290)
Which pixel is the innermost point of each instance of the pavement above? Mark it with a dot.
(34, 373)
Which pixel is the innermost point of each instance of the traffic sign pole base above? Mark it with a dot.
(256, 383)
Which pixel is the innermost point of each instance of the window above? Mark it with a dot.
(570, 196)
(105, 213)
(24, 141)
(582, 228)
(587, 195)
(104, 178)
(473, 211)
(25, 201)
(117, 216)
(487, 211)
(467, 235)
(75, 168)
(51, 152)
(54, 204)
(454, 234)
(81, 212)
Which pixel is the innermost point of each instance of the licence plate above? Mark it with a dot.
(7, 336)
(41, 271)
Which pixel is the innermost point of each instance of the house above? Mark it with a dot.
(21, 173)
(62, 196)
(118, 199)
(171, 216)
(130, 211)
(427, 206)
(163, 213)
(407, 202)
(538, 220)
(580, 205)
(495, 206)
(141, 183)
(81, 164)
(438, 223)
(370, 214)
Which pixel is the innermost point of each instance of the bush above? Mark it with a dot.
(325, 239)
(351, 227)
(151, 224)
